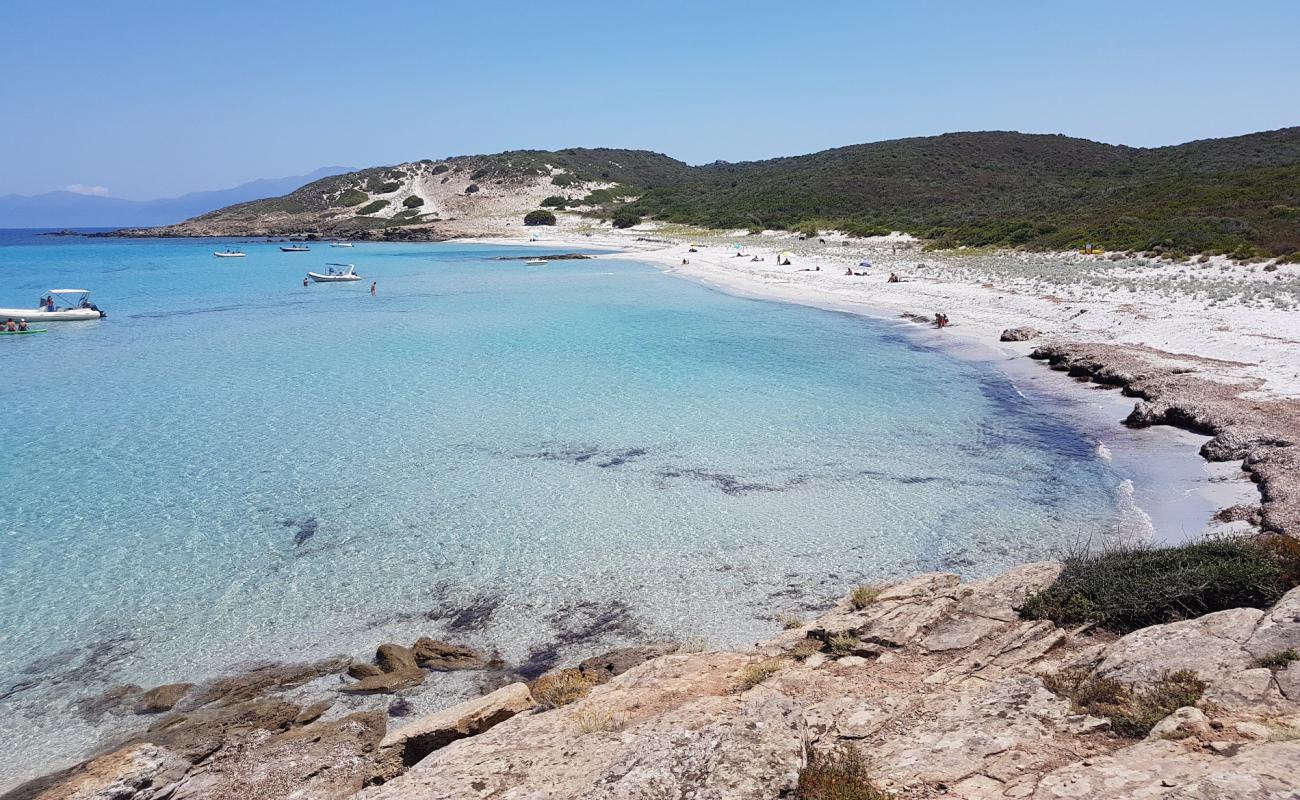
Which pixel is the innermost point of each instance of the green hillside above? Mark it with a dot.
(1239, 195)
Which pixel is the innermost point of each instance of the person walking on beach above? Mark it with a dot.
(373, 284)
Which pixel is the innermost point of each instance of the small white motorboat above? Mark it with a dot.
(536, 262)
(228, 253)
(348, 273)
(66, 305)
(294, 248)
(340, 244)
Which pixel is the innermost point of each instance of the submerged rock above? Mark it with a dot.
(441, 656)
(161, 698)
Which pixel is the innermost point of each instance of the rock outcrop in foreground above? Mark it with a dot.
(940, 686)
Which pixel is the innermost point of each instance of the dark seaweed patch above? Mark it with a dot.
(602, 457)
(732, 484)
(473, 615)
(304, 529)
(74, 666)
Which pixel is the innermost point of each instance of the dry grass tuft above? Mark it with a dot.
(754, 674)
(843, 644)
(840, 775)
(1278, 660)
(597, 721)
(864, 595)
(1132, 712)
(804, 649)
(790, 620)
(560, 688)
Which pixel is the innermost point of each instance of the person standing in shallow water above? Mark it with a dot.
(373, 284)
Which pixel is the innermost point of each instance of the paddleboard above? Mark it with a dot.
(17, 333)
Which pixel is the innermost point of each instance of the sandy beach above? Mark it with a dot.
(1244, 318)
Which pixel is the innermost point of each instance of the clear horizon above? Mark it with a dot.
(143, 100)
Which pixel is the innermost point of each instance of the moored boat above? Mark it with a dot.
(65, 305)
(536, 262)
(229, 253)
(294, 248)
(348, 273)
(340, 244)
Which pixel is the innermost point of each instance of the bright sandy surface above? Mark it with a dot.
(1245, 316)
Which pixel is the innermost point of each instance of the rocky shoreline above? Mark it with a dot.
(940, 686)
(1172, 390)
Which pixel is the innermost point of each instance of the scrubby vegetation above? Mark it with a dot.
(471, 189)
(754, 674)
(863, 595)
(1014, 189)
(1132, 711)
(1127, 588)
(414, 201)
(626, 219)
(843, 644)
(598, 721)
(838, 775)
(387, 188)
(554, 201)
(789, 621)
(560, 688)
(1278, 660)
(353, 197)
(373, 206)
(539, 217)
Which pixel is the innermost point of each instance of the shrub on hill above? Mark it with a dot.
(471, 189)
(414, 201)
(372, 207)
(554, 201)
(1127, 588)
(353, 197)
(539, 217)
(387, 188)
(626, 219)
(564, 179)
(438, 170)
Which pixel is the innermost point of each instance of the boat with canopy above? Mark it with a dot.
(348, 272)
(62, 305)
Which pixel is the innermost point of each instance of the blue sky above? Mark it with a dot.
(151, 99)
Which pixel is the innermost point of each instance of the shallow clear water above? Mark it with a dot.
(232, 466)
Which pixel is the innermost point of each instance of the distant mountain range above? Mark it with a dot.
(73, 210)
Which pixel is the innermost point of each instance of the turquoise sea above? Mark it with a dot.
(546, 461)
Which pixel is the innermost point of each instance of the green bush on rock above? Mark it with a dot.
(539, 217)
(1127, 588)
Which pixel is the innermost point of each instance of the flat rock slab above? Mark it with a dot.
(1165, 769)
(412, 742)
